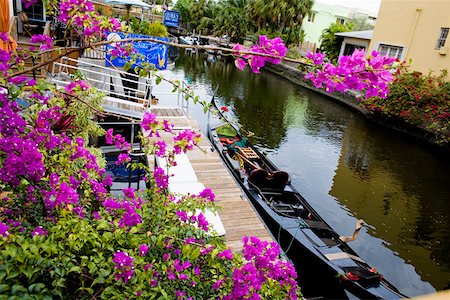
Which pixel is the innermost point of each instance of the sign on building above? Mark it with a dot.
(150, 52)
(171, 18)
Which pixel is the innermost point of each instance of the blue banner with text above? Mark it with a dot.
(171, 18)
(149, 52)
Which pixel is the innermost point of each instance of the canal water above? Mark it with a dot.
(348, 168)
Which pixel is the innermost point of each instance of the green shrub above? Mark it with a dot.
(147, 28)
(422, 100)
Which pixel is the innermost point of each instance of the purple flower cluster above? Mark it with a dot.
(17, 80)
(4, 229)
(10, 121)
(198, 219)
(74, 86)
(275, 47)
(120, 50)
(150, 123)
(45, 41)
(207, 195)
(81, 13)
(185, 140)
(126, 209)
(160, 148)
(143, 249)
(226, 254)
(22, 160)
(5, 64)
(123, 158)
(39, 231)
(262, 264)
(161, 179)
(353, 72)
(29, 3)
(117, 140)
(124, 266)
(61, 197)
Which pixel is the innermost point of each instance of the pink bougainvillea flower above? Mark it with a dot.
(143, 249)
(45, 41)
(4, 229)
(29, 3)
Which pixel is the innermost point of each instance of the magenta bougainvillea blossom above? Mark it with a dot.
(45, 41)
(207, 195)
(143, 249)
(4, 229)
(76, 85)
(353, 72)
(124, 266)
(29, 3)
(275, 47)
(185, 140)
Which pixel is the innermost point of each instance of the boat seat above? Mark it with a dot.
(248, 153)
(194, 188)
(317, 224)
(182, 172)
(329, 242)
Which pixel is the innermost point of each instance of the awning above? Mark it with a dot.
(4, 27)
(129, 3)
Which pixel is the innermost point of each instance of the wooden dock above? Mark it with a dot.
(236, 212)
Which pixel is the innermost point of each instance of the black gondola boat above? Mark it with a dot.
(332, 268)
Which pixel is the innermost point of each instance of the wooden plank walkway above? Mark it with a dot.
(236, 212)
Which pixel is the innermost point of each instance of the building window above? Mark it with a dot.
(442, 38)
(391, 51)
(35, 11)
(311, 17)
(350, 48)
(340, 21)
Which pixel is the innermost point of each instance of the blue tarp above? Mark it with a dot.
(154, 53)
(171, 18)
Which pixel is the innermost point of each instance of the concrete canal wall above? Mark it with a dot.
(290, 72)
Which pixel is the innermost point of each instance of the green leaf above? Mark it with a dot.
(11, 251)
(76, 269)
(13, 274)
(36, 287)
(4, 288)
(18, 289)
(158, 80)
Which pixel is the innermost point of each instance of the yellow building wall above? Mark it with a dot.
(415, 25)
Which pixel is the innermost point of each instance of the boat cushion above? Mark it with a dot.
(186, 188)
(182, 172)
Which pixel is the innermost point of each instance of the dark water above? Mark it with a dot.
(347, 168)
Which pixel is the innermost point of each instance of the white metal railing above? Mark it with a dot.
(121, 88)
(97, 53)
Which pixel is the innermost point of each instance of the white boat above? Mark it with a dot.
(188, 40)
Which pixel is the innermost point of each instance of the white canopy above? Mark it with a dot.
(129, 2)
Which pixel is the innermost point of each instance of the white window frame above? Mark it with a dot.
(340, 21)
(444, 33)
(403, 48)
(311, 17)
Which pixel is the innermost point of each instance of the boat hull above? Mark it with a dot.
(309, 248)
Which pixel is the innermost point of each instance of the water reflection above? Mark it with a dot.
(403, 191)
(347, 168)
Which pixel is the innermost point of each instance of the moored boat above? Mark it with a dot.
(332, 268)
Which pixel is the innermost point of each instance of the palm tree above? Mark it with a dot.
(207, 21)
(278, 15)
(184, 7)
(231, 19)
(254, 11)
(330, 44)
